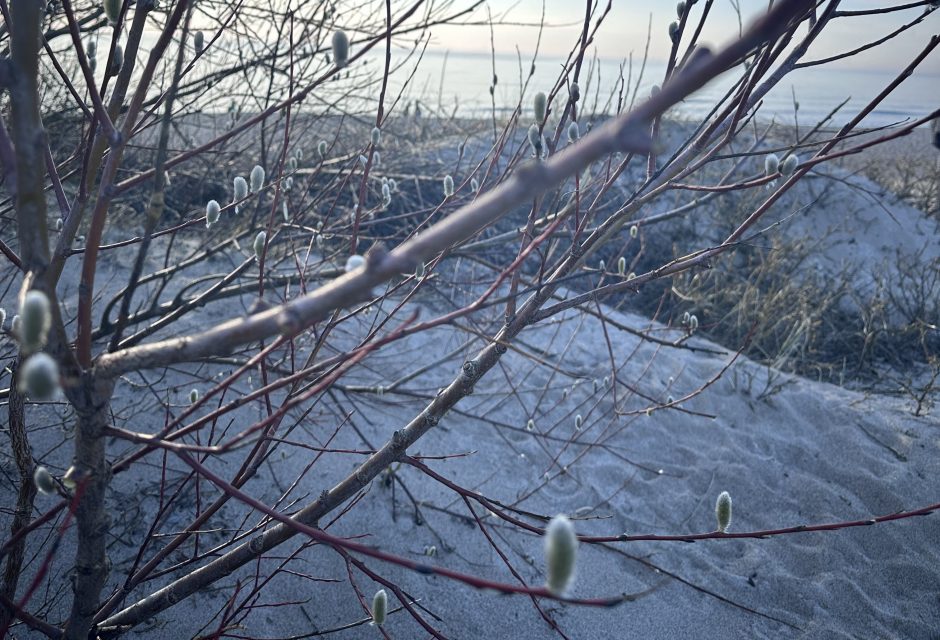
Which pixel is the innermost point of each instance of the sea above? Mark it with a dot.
(458, 84)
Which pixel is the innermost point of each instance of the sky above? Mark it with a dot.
(625, 30)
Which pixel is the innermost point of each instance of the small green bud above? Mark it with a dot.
(112, 9)
(540, 107)
(199, 42)
(340, 49)
(771, 164)
(321, 149)
(213, 210)
(259, 243)
(194, 396)
(789, 165)
(573, 132)
(257, 178)
(44, 481)
(634, 231)
(379, 607)
(448, 186)
(36, 319)
(621, 266)
(723, 511)
(561, 549)
(39, 376)
(376, 136)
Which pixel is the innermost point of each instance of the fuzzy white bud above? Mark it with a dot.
(240, 187)
(213, 210)
(379, 607)
(376, 137)
(194, 396)
(474, 185)
(530, 425)
(353, 262)
(199, 42)
(420, 270)
(321, 148)
(680, 9)
(284, 211)
(561, 549)
(771, 164)
(259, 243)
(573, 132)
(39, 376)
(634, 231)
(621, 266)
(3, 317)
(673, 30)
(117, 60)
(578, 421)
(112, 9)
(44, 480)
(723, 511)
(789, 165)
(340, 49)
(35, 319)
(539, 106)
(574, 91)
(257, 178)
(448, 186)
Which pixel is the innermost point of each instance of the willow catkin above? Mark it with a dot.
(112, 9)
(35, 320)
(44, 481)
(561, 548)
(723, 511)
(213, 211)
(257, 178)
(789, 164)
(199, 42)
(376, 136)
(340, 49)
(39, 376)
(259, 243)
(771, 164)
(448, 186)
(540, 107)
(379, 607)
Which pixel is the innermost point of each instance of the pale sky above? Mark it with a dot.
(625, 30)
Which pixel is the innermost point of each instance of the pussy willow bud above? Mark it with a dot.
(288, 183)
(561, 549)
(194, 396)
(376, 158)
(257, 178)
(15, 325)
(379, 607)
(376, 136)
(260, 239)
(199, 42)
(321, 148)
(693, 322)
(3, 317)
(44, 480)
(213, 210)
(673, 30)
(240, 187)
(284, 211)
(91, 47)
(574, 91)
(112, 9)
(39, 376)
(292, 163)
(771, 164)
(723, 511)
(654, 91)
(448, 186)
(573, 132)
(340, 49)
(393, 185)
(535, 138)
(530, 425)
(35, 320)
(420, 270)
(789, 165)
(117, 60)
(680, 9)
(539, 106)
(621, 266)
(634, 230)
(602, 266)
(386, 194)
(353, 262)
(578, 421)
(299, 154)
(474, 185)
